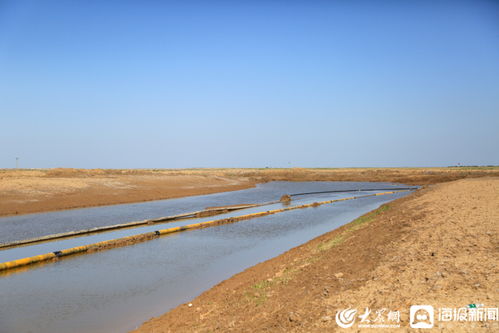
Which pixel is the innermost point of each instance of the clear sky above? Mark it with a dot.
(170, 84)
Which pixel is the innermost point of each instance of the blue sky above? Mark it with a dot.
(171, 84)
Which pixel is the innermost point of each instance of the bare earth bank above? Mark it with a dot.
(31, 191)
(41, 190)
(438, 246)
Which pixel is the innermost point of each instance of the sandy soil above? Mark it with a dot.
(29, 191)
(438, 246)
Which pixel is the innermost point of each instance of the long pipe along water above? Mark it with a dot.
(145, 236)
(159, 263)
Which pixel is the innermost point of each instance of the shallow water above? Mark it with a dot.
(116, 290)
(57, 245)
(35, 225)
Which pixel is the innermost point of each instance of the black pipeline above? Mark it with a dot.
(174, 218)
(359, 190)
(154, 234)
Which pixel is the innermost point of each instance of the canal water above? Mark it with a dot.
(14, 228)
(116, 290)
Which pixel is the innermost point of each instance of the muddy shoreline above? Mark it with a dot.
(437, 246)
(42, 190)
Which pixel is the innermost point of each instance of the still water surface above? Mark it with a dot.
(14, 228)
(116, 290)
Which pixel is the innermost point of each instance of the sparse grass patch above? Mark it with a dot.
(262, 284)
(358, 222)
(257, 298)
(351, 227)
(257, 292)
(331, 243)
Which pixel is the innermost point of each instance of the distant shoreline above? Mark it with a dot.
(436, 246)
(26, 191)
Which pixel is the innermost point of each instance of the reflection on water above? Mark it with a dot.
(35, 225)
(116, 290)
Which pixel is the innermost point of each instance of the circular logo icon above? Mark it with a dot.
(346, 318)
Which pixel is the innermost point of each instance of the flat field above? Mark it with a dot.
(38, 190)
(31, 191)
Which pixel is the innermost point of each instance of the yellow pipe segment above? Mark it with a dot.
(154, 234)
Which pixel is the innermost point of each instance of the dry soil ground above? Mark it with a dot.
(436, 247)
(29, 191)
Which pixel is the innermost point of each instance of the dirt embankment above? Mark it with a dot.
(438, 246)
(29, 191)
(409, 176)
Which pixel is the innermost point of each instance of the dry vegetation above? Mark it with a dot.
(38, 190)
(437, 246)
